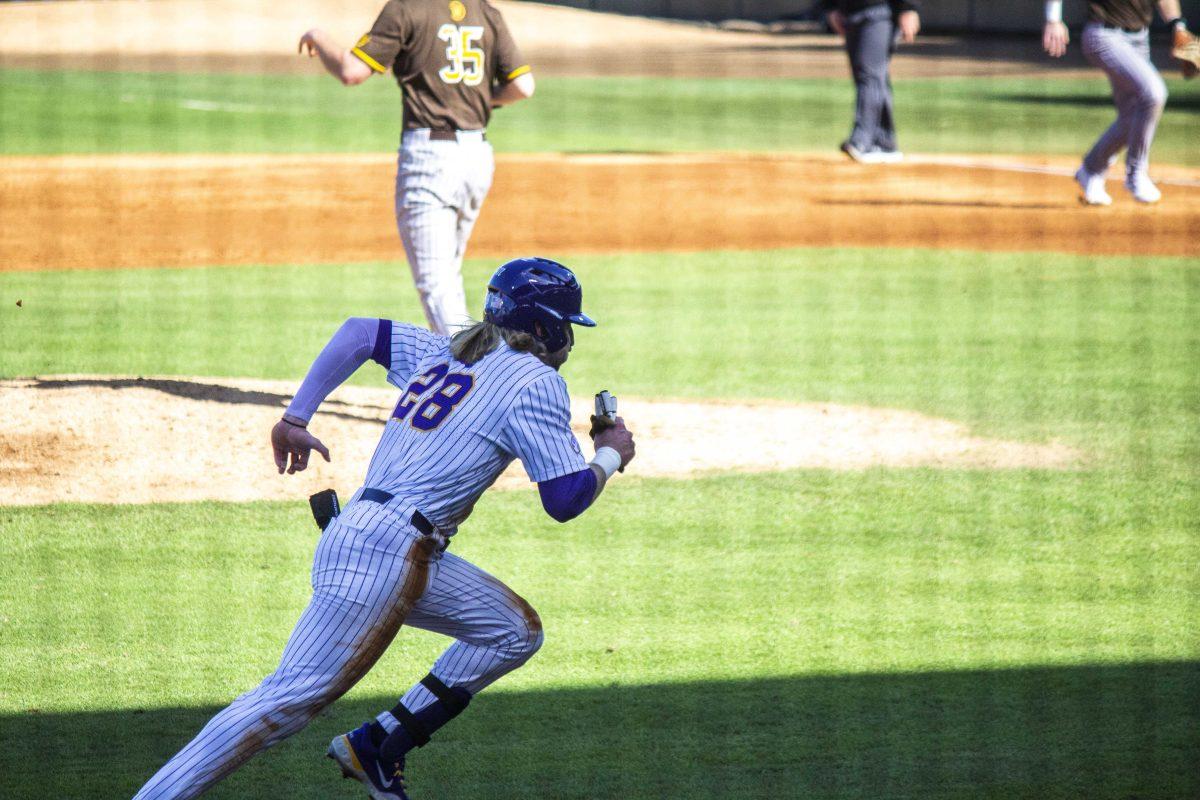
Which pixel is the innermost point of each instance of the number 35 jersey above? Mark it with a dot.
(446, 55)
(458, 426)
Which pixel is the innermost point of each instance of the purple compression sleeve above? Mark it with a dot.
(348, 350)
(568, 496)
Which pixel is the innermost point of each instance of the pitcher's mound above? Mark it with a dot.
(141, 440)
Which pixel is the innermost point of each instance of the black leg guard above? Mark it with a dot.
(415, 729)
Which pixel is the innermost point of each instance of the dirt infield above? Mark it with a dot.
(57, 442)
(142, 211)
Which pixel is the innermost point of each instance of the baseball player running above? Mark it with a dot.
(871, 29)
(1117, 40)
(470, 404)
(455, 61)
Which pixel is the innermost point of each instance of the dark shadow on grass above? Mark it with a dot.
(1187, 103)
(1096, 732)
(195, 390)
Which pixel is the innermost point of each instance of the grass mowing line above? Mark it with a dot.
(308, 114)
(1098, 352)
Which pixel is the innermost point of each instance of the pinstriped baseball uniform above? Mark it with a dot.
(448, 57)
(455, 428)
(1117, 40)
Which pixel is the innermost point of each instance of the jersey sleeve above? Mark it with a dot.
(400, 347)
(538, 431)
(379, 47)
(507, 61)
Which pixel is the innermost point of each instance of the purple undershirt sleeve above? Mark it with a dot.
(349, 349)
(381, 353)
(568, 496)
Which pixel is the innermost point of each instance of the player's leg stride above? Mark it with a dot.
(871, 30)
(1117, 40)
(471, 404)
(373, 755)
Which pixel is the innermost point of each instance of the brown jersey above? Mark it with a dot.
(1129, 14)
(447, 56)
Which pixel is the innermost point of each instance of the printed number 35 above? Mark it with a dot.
(466, 60)
(433, 412)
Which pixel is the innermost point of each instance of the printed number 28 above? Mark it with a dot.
(452, 388)
(466, 60)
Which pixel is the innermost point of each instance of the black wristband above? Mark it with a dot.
(1177, 21)
(293, 424)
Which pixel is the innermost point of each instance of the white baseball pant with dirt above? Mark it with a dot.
(1139, 93)
(372, 572)
(440, 188)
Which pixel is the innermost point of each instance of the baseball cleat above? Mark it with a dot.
(1142, 188)
(1094, 193)
(881, 156)
(359, 759)
(855, 154)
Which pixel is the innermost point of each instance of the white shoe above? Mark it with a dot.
(873, 156)
(1092, 184)
(859, 156)
(1142, 188)
(887, 156)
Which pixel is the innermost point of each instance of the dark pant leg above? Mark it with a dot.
(869, 39)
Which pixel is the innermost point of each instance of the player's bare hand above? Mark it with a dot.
(1055, 38)
(618, 438)
(909, 23)
(292, 445)
(837, 21)
(309, 40)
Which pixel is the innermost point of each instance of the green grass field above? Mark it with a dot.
(72, 112)
(891, 633)
(898, 633)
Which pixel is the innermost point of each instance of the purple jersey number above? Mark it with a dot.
(417, 388)
(433, 412)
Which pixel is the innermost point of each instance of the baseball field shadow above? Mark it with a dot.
(196, 390)
(1187, 103)
(1117, 731)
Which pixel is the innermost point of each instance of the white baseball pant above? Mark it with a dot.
(1139, 93)
(440, 188)
(372, 572)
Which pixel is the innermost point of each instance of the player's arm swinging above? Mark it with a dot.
(352, 346)
(339, 62)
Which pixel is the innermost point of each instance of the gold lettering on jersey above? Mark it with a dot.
(465, 57)
(362, 41)
(458, 12)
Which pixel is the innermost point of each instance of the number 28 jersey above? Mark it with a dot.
(458, 426)
(446, 55)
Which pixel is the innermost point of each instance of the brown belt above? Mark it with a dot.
(446, 135)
